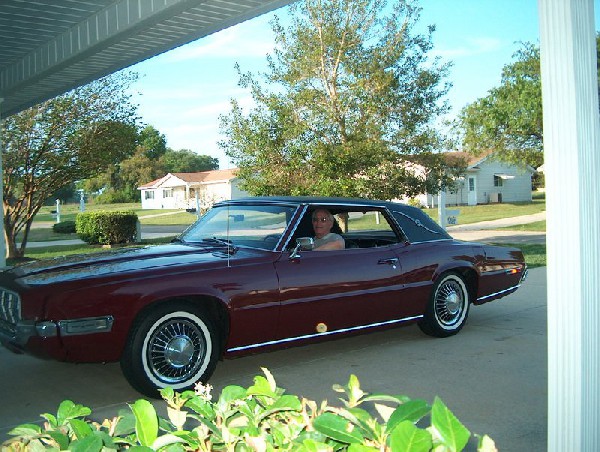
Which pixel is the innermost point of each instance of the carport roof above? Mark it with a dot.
(48, 47)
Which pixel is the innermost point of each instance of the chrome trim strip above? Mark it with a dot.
(298, 217)
(510, 289)
(328, 333)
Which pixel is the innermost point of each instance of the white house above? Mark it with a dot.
(487, 180)
(191, 190)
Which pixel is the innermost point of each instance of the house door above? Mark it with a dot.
(472, 199)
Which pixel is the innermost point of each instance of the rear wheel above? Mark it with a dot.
(172, 345)
(448, 307)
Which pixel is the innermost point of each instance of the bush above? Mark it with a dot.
(115, 197)
(106, 228)
(64, 227)
(259, 418)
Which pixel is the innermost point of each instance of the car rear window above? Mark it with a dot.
(418, 226)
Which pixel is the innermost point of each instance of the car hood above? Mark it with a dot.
(118, 261)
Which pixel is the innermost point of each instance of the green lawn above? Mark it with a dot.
(146, 216)
(535, 254)
(485, 212)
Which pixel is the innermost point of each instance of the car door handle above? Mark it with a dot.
(391, 261)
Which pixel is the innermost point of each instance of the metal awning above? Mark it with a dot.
(48, 47)
(504, 176)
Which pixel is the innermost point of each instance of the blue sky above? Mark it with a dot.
(183, 92)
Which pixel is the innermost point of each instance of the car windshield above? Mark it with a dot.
(258, 226)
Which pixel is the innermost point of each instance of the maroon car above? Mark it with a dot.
(244, 278)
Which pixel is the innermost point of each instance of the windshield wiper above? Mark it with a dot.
(231, 248)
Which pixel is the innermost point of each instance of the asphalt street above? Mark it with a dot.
(492, 375)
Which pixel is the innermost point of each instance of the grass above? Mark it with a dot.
(485, 212)
(146, 216)
(537, 226)
(535, 254)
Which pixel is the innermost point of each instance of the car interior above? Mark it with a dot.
(357, 232)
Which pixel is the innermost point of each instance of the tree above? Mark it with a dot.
(508, 121)
(187, 161)
(347, 107)
(152, 142)
(68, 138)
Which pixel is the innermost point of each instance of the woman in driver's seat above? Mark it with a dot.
(322, 222)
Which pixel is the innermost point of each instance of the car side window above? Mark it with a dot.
(366, 229)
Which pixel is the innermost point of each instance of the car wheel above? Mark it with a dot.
(448, 307)
(173, 345)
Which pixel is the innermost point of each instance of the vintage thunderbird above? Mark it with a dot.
(244, 278)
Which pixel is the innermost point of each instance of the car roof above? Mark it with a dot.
(317, 201)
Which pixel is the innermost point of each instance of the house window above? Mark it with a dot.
(148, 195)
(471, 184)
(497, 181)
(168, 193)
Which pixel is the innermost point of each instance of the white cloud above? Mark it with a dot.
(247, 40)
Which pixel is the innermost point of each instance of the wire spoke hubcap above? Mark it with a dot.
(449, 302)
(176, 350)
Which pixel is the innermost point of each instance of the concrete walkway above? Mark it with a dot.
(493, 232)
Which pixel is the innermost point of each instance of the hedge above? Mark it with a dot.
(106, 228)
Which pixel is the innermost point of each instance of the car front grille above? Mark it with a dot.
(10, 311)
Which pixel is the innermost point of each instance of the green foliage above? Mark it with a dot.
(348, 106)
(508, 120)
(151, 160)
(106, 228)
(67, 138)
(261, 417)
(115, 197)
(64, 227)
(187, 161)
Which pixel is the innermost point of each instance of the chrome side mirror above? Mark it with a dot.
(302, 244)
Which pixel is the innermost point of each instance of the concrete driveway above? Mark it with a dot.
(492, 375)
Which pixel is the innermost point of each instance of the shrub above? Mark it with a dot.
(64, 227)
(115, 197)
(259, 418)
(106, 228)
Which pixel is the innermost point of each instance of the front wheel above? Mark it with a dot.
(448, 307)
(172, 345)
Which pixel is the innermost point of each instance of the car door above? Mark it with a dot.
(335, 290)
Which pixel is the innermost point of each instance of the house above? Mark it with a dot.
(486, 180)
(191, 190)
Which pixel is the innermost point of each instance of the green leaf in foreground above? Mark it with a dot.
(146, 422)
(452, 433)
(337, 428)
(408, 438)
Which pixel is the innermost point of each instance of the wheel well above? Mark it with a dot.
(470, 277)
(210, 306)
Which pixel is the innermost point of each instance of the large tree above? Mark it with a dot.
(68, 138)
(508, 121)
(187, 161)
(348, 106)
(151, 160)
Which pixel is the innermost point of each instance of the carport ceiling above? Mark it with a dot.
(48, 47)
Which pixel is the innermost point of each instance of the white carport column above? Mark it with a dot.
(572, 162)
(2, 243)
